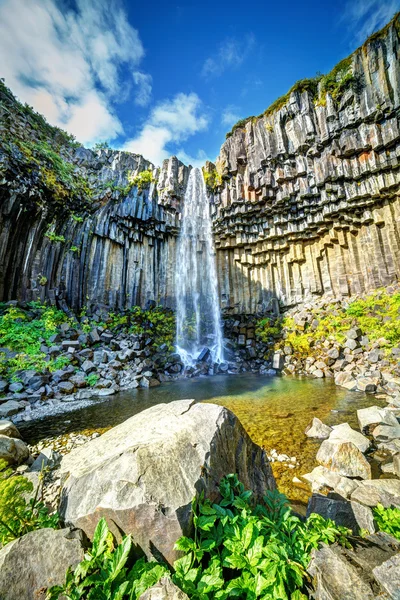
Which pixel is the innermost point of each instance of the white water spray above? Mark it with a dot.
(198, 320)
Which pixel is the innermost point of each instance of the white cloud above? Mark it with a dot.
(230, 116)
(230, 54)
(364, 17)
(143, 94)
(170, 122)
(67, 63)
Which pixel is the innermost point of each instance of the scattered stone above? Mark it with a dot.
(378, 491)
(352, 515)
(345, 433)
(8, 429)
(164, 590)
(66, 387)
(344, 458)
(386, 433)
(13, 450)
(369, 418)
(38, 560)
(349, 574)
(9, 408)
(47, 458)
(317, 429)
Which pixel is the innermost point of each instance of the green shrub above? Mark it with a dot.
(141, 181)
(92, 379)
(53, 237)
(388, 520)
(21, 333)
(105, 574)
(17, 515)
(245, 552)
(268, 329)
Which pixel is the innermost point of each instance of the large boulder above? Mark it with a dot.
(367, 572)
(143, 474)
(343, 458)
(164, 590)
(13, 450)
(38, 560)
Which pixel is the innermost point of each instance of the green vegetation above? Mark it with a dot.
(75, 249)
(336, 82)
(268, 329)
(23, 334)
(92, 379)
(77, 218)
(252, 552)
(158, 323)
(141, 181)
(101, 146)
(388, 520)
(377, 315)
(57, 174)
(238, 551)
(53, 237)
(17, 514)
(212, 179)
(105, 573)
(36, 120)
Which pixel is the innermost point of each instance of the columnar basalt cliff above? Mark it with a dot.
(304, 200)
(307, 195)
(79, 226)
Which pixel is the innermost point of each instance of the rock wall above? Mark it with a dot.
(115, 248)
(309, 201)
(305, 201)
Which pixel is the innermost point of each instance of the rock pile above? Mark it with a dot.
(344, 470)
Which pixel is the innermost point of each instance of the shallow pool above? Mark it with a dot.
(274, 410)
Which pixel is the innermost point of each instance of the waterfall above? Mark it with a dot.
(198, 320)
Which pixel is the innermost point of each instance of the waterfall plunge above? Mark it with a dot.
(198, 321)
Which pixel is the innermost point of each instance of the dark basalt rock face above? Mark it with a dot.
(116, 243)
(309, 200)
(305, 202)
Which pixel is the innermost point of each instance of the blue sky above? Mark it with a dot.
(171, 78)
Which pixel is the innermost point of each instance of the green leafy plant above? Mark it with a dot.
(53, 237)
(17, 514)
(92, 379)
(142, 180)
(388, 520)
(24, 335)
(106, 574)
(241, 551)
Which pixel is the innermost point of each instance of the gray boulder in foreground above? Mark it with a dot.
(164, 590)
(37, 561)
(369, 571)
(143, 474)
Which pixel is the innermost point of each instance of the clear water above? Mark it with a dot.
(274, 411)
(197, 306)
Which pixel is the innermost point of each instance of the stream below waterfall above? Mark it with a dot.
(274, 410)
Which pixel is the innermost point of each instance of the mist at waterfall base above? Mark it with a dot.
(198, 318)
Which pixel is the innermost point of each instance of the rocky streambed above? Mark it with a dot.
(142, 474)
